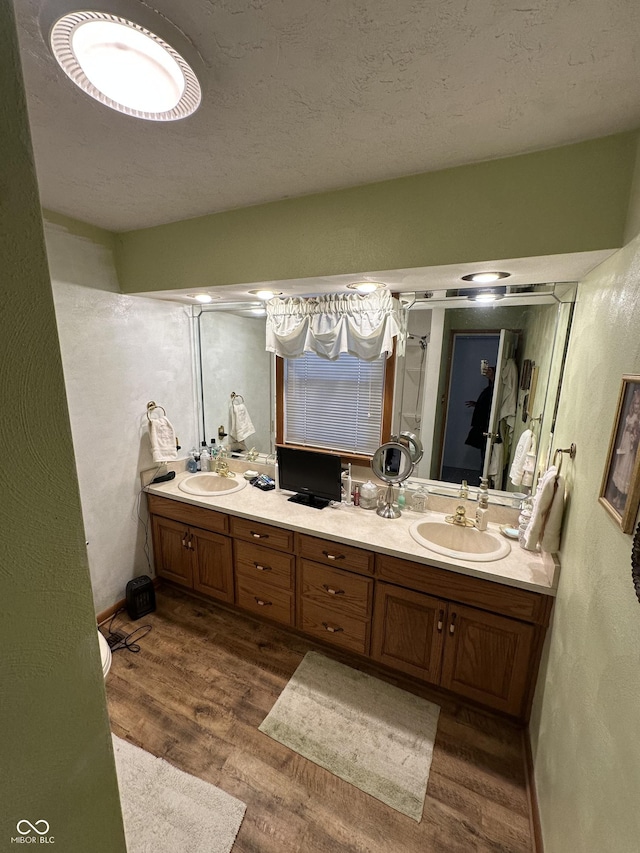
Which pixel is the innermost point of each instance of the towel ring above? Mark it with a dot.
(151, 407)
(570, 450)
(235, 396)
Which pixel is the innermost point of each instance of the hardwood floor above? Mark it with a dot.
(204, 680)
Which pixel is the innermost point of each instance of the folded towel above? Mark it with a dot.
(522, 448)
(546, 517)
(163, 440)
(240, 426)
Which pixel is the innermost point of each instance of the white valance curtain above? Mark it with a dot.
(364, 326)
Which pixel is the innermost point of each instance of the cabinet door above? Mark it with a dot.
(213, 572)
(487, 658)
(408, 631)
(173, 557)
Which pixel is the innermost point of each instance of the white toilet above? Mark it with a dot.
(105, 654)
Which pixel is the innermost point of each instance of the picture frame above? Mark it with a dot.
(620, 489)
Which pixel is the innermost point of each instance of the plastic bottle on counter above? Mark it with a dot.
(402, 496)
(482, 511)
(192, 465)
(356, 495)
(205, 459)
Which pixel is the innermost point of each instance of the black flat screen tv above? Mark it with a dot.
(313, 476)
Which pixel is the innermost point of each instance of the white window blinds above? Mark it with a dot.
(334, 405)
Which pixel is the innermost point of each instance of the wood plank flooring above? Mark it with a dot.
(204, 680)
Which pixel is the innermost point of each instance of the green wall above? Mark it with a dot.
(568, 199)
(57, 761)
(586, 714)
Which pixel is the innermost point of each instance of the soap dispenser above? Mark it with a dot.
(483, 505)
(192, 465)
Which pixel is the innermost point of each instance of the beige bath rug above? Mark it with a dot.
(166, 810)
(369, 733)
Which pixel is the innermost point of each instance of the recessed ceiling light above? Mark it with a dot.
(485, 277)
(266, 294)
(366, 286)
(125, 66)
(201, 297)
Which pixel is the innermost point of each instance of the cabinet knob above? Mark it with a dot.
(333, 556)
(262, 568)
(259, 535)
(440, 621)
(332, 629)
(452, 625)
(331, 590)
(262, 602)
(184, 539)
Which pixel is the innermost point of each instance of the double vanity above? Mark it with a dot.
(391, 591)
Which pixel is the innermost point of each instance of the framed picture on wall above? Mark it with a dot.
(620, 490)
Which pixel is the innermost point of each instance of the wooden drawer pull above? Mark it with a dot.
(332, 629)
(259, 535)
(440, 621)
(331, 590)
(261, 602)
(452, 626)
(262, 568)
(333, 556)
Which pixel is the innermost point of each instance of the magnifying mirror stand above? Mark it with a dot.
(388, 510)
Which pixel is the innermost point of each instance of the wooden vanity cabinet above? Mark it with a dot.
(479, 639)
(197, 558)
(483, 655)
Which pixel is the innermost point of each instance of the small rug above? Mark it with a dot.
(369, 733)
(168, 811)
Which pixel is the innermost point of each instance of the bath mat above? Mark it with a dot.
(166, 810)
(369, 733)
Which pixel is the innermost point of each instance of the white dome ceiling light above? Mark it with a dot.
(366, 287)
(125, 66)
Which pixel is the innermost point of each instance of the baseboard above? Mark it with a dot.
(119, 605)
(532, 796)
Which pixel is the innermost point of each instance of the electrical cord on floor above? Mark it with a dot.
(117, 640)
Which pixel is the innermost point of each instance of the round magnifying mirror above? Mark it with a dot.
(412, 443)
(392, 462)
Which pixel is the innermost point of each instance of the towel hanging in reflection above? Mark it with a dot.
(240, 425)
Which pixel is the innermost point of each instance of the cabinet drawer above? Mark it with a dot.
(264, 534)
(336, 554)
(334, 627)
(341, 591)
(265, 600)
(265, 565)
(496, 597)
(195, 516)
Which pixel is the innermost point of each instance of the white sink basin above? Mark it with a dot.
(208, 484)
(465, 543)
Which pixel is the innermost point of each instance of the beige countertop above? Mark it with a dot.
(364, 528)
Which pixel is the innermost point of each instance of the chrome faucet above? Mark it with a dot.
(463, 493)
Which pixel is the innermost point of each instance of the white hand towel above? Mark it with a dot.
(509, 376)
(522, 448)
(496, 464)
(546, 516)
(240, 425)
(550, 539)
(163, 440)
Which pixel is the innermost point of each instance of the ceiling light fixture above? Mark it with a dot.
(266, 294)
(201, 297)
(485, 277)
(366, 286)
(125, 66)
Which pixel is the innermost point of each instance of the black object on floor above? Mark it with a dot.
(141, 597)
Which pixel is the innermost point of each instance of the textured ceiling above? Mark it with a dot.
(301, 96)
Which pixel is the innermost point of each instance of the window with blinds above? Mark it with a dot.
(334, 405)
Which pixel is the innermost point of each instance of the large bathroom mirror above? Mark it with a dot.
(475, 376)
(235, 371)
(442, 372)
